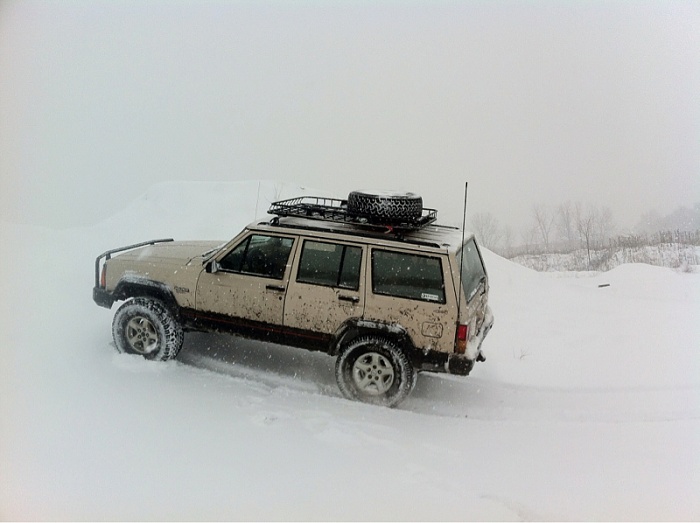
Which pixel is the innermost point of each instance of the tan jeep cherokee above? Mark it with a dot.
(371, 280)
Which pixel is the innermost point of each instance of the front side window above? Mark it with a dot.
(330, 264)
(471, 267)
(407, 276)
(259, 255)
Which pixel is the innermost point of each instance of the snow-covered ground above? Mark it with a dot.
(588, 406)
(679, 256)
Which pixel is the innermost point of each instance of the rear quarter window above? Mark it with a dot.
(411, 276)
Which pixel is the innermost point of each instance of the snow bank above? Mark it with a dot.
(586, 408)
(639, 330)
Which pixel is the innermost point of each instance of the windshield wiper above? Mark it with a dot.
(210, 251)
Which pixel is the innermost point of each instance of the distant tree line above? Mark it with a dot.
(589, 231)
(633, 241)
(682, 219)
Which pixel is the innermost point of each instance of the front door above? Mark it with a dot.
(250, 280)
(326, 287)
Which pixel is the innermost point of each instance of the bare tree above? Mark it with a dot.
(528, 235)
(507, 242)
(585, 226)
(544, 222)
(605, 225)
(486, 229)
(594, 225)
(566, 223)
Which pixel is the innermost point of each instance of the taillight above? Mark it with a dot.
(103, 276)
(462, 337)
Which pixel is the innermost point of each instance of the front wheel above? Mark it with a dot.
(146, 327)
(374, 370)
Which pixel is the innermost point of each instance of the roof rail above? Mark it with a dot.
(360, 232)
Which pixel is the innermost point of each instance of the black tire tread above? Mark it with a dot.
(403, 369)
(405, 208)
(172, 335)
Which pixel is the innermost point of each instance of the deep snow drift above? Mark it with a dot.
(588, 406)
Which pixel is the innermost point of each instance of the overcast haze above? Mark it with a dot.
(529, 102)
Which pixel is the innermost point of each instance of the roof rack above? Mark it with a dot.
(336, 210)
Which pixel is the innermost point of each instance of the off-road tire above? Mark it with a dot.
(146, 327)
(385, 208)
(374, 370)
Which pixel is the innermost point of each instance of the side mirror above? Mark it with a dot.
(212, 267)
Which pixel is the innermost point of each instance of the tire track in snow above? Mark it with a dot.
(296, 371)
(475, 398)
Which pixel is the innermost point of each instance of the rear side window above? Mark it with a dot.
(409, 276)
(330, 264)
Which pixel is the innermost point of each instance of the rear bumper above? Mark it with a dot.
(102, 298)
(458, 364)
(433, 361)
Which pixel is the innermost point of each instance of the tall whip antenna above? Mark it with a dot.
(461, 254)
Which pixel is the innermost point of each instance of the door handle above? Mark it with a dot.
(353, 299)
(278, 288)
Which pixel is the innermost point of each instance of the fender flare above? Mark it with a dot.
(139, 286)
(356, 327)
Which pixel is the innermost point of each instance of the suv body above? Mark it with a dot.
(388, 305)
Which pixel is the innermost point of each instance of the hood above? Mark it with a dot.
(171, 253)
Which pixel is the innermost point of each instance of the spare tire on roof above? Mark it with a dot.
(385, 207)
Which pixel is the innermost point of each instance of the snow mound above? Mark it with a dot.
(198, 210)
(649, 282)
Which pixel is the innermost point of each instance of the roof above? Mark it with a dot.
(439, 237)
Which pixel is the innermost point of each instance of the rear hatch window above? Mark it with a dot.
(473, 273)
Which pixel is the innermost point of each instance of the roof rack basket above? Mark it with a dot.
(335, 210)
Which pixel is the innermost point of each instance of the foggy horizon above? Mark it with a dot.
(531, 103)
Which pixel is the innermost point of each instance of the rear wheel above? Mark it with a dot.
(146, 327)
(374, 370)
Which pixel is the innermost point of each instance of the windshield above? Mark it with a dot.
(472, 269)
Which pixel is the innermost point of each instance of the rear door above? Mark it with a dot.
(326, 287)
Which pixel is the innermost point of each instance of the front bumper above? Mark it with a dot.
(102, 298)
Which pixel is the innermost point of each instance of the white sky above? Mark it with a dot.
(528, 101)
